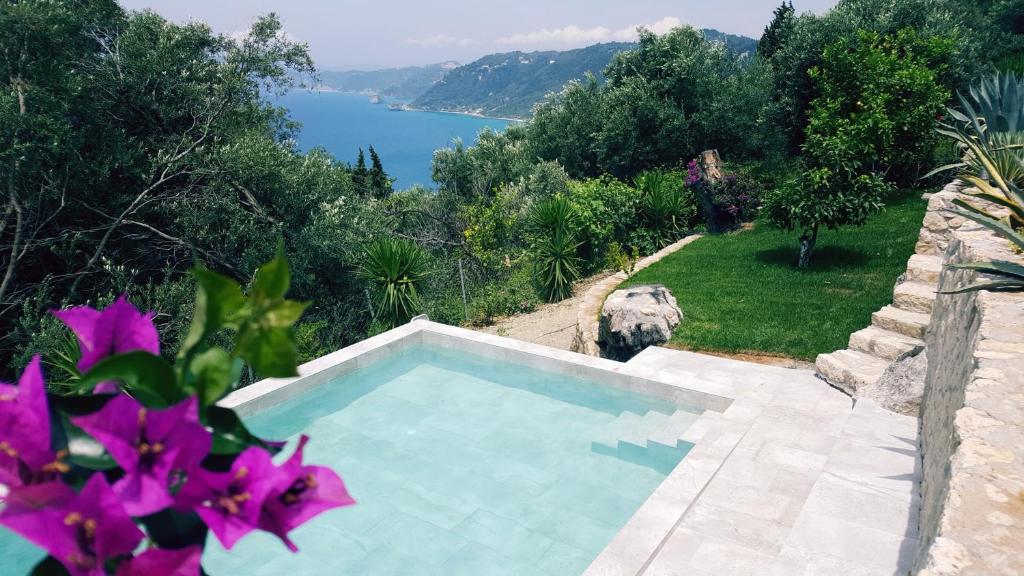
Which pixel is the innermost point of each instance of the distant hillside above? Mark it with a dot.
(511, 83)
(738, 44)
(403, 83)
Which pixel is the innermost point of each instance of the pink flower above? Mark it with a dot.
(299, 493)
(229, 503)
(25, 454)
(81, 531)
(152, 446)
(117, 329)
(163, 562)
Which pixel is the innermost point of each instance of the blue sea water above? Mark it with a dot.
(342, 123)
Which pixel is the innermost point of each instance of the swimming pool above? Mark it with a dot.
(472, 454)
(464, 465)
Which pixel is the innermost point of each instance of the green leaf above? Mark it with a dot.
(218, 298)
(148, 377)
(284, 314)
(84, 450)
(1000, 267)
(998, 286)
(216, 373)
(230, 435)
(272, 279)
(270, 351)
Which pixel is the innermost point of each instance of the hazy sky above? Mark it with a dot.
(354, 34)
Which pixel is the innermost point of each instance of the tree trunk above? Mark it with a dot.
(807, 242)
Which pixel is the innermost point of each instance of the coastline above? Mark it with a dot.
(405, 107)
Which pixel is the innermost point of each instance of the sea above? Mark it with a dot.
(343, 122)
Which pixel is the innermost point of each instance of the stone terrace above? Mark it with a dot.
(812, 482)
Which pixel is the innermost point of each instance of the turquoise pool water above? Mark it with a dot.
(464, 465)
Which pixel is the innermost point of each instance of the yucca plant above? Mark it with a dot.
(662, 207)
(556, 240)
(396, 267)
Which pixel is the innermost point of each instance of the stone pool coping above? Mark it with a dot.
(638, 541)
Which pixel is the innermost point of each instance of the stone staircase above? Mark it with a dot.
(895, 329)
(654, 439)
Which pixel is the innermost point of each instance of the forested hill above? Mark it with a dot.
(402, 83)
(511, 83)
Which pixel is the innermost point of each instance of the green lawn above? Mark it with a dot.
(742, 293)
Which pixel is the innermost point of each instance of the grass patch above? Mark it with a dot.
(742, 293)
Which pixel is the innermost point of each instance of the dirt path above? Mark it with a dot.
(551, 324)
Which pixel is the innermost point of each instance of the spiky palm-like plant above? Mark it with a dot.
(662, 207)
(988, 132)
(396, 267)
(555, 265)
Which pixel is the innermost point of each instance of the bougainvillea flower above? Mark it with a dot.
(81, 531)
(25, 454)
(299, 493)
(116, 329)
(165, 562)
(229, 503)
(152, 446)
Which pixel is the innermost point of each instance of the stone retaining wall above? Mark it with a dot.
(972, 415)
(587, 315)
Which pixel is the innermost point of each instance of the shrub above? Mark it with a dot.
(395, 267)
(735, 200)
(556, 265)
(515, 295)
(606, 212)
(666, 209)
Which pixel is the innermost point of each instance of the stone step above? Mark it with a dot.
(882, 343)
(924, 268)
(849, 370)
(675, 428)
(913, 324)
(607, 442)
(914, 297)
(649, 424)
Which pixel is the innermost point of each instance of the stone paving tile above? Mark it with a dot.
(726, 559)
(818, 534)
(739, 528)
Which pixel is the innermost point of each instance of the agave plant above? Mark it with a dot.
(555, 265)
(992, 117)
(396, 267)
(994, 166)
(1002, 192)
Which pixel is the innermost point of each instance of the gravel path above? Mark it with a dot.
(551, 324)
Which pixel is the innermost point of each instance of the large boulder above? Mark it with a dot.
(634, 318)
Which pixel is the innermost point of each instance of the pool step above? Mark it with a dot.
(653, 440)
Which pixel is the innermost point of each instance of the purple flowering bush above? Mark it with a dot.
(732, 201)
(130, 472)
